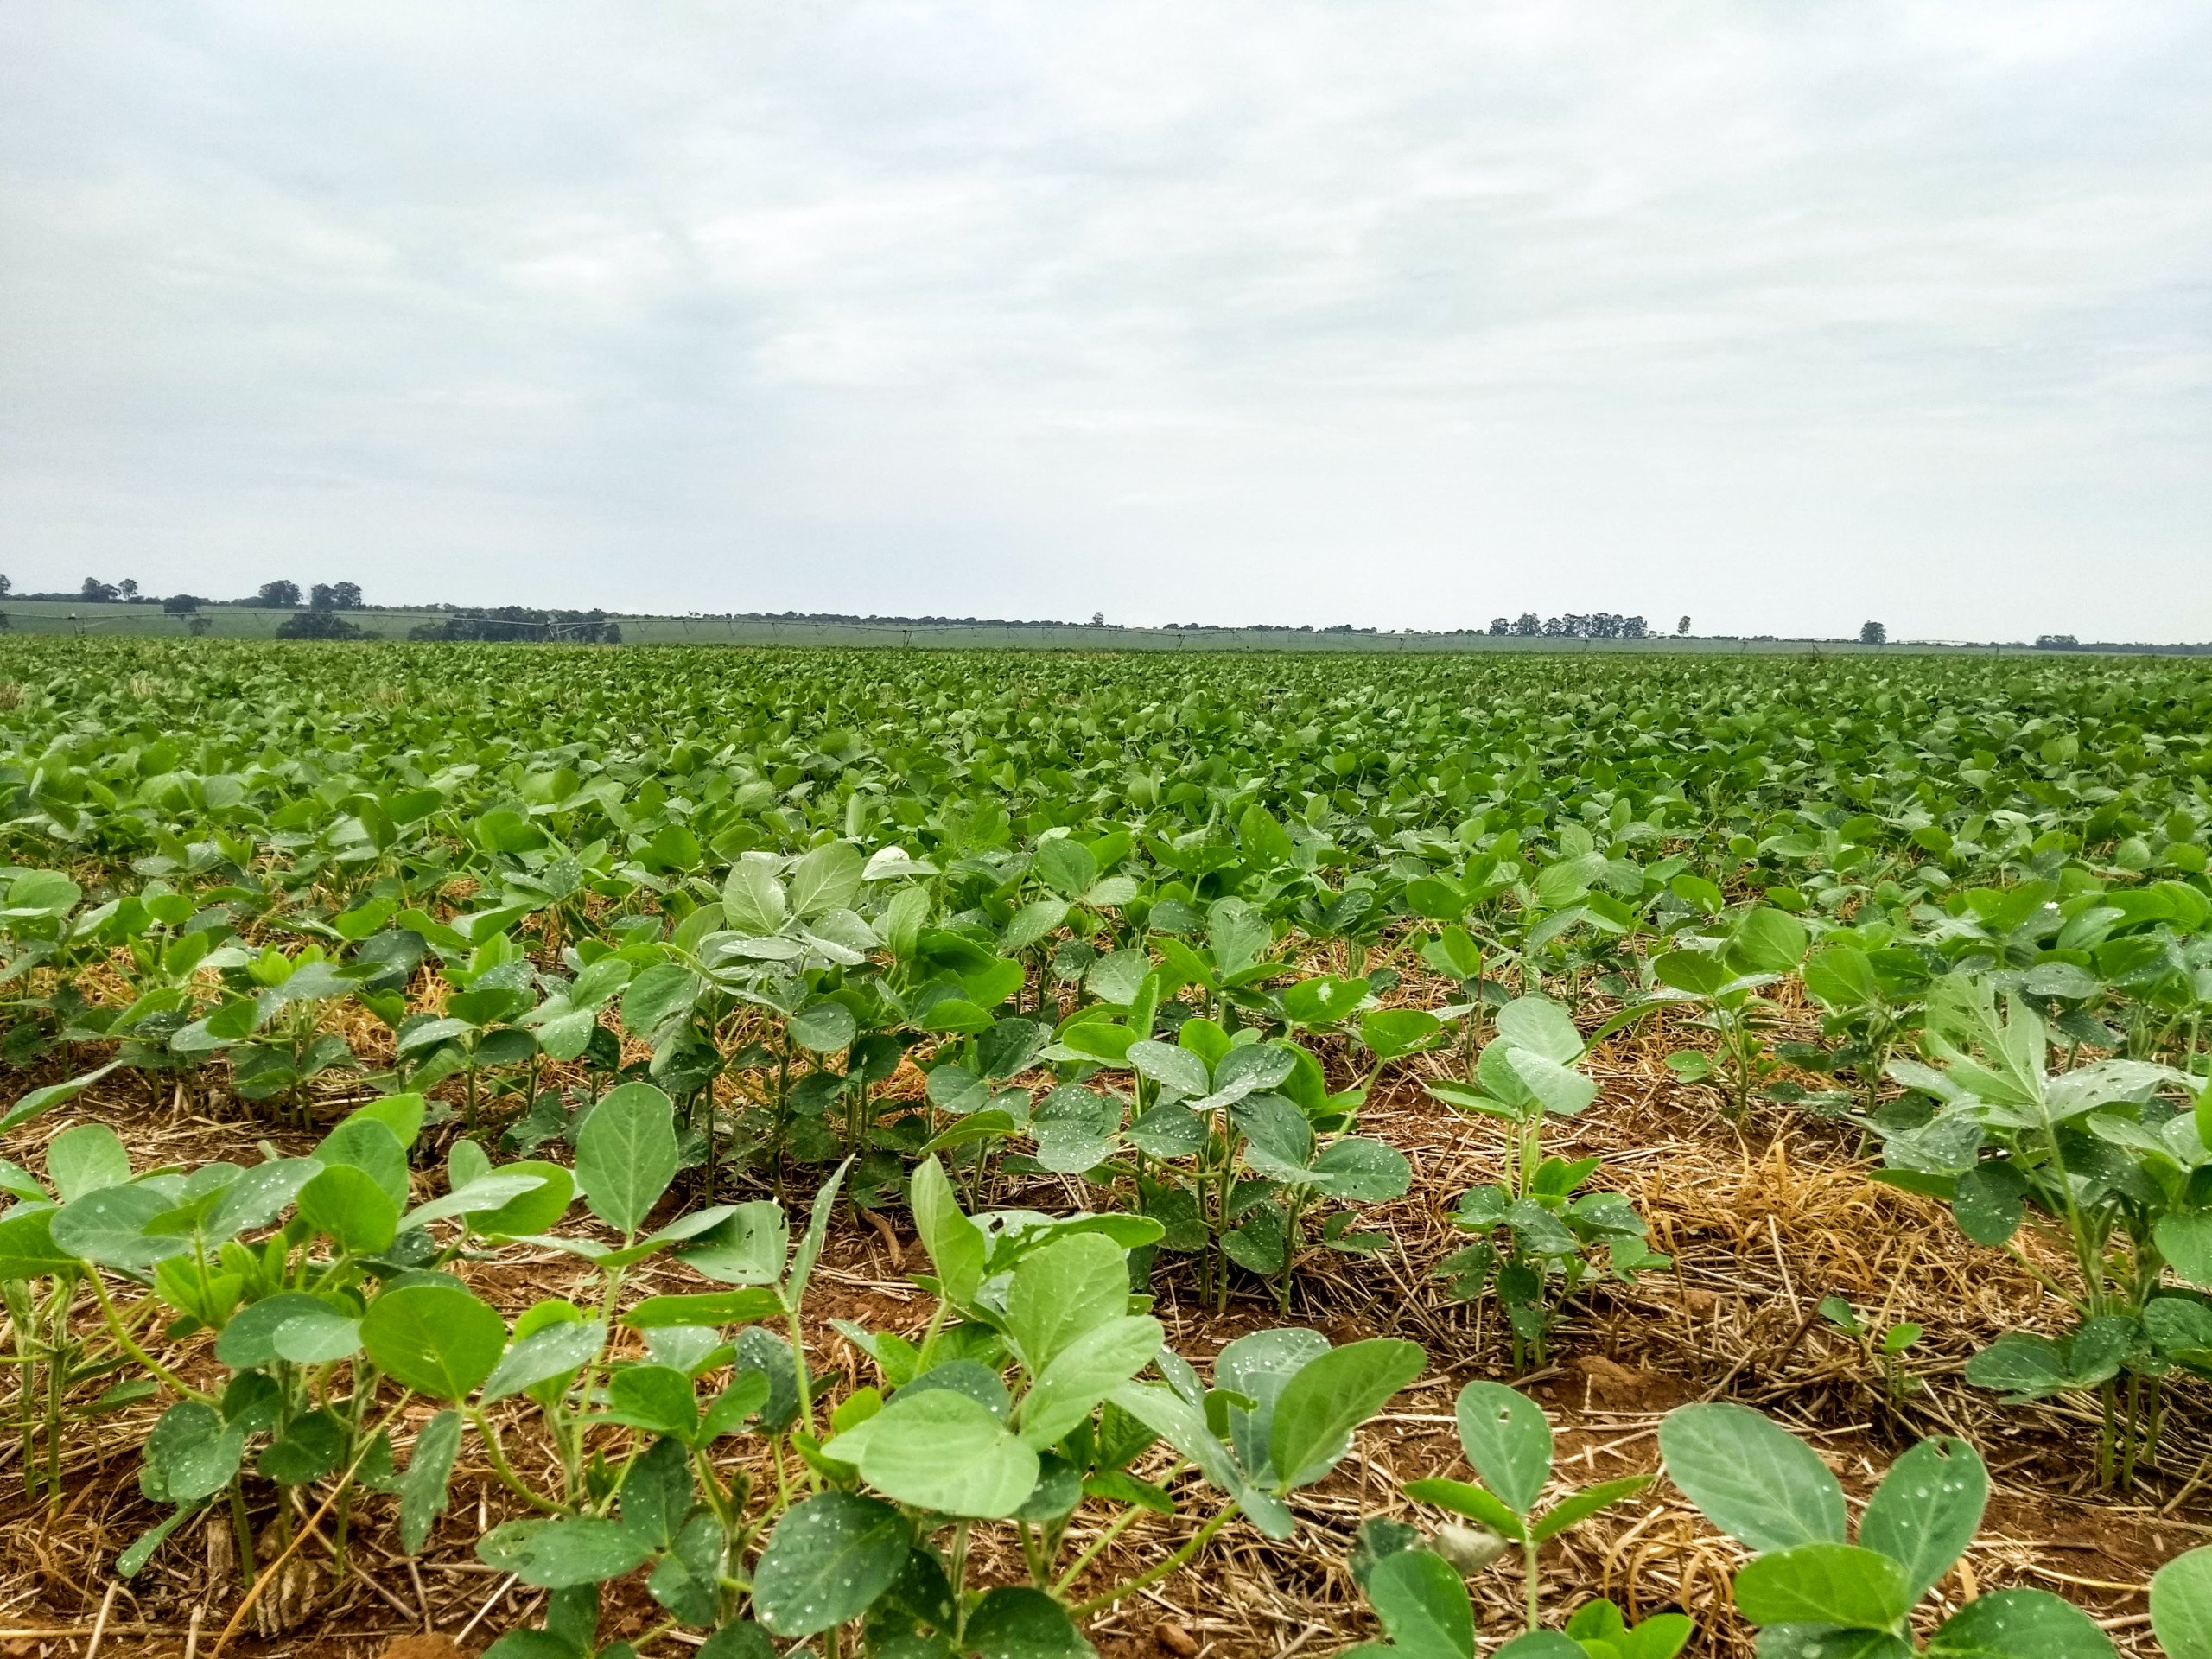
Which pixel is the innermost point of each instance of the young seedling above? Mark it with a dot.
(1507, 1438)
(1811, 1591)
(1885, 1350)
(1539, 1237)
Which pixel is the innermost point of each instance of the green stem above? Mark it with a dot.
(1531, 1587)
(497, 1455)
(123, 1340)
(1199, 1541)
(1120, 1524)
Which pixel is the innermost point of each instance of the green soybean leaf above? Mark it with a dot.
(46, 1099)
(2181, 1604)
(1550, 1644)
(1463, 1497)
(827, 878)
(531, 1212)
(1424, 1606)
(1063, 1290)
(827, 1561)
(249, 1339)
(85, 1159)
(552, 1351)
(1987, 1202)
(753, 899)
(109, 1226)
(369, 1145)
(1573, 1511)
(1752, 1478)
(1083, 1373)
(657, 1398)
(1171, 1066)
(563, 1552)
(1018, 1621)
(350, 1206)
(436, 1339)
(485, 1195)
(2185, 1239)
(317, 1337)
(954, 1242)
(938, 1449)
(422, 1493)
(2035, 1625)
(626, 1154)
(744, 1307)
(1392, 1033)
(1327, 1398)
(1509, 1441)
(191, 1454)
(1824, 1584)
(142, 1548)
(1927, 1510)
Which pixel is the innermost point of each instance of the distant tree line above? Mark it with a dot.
(510, 623)
(1604, 625)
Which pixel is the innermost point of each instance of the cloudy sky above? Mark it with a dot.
(1782, 315)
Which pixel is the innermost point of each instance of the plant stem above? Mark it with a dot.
(496, 1455)
(1199, 1541)
(123, 1339)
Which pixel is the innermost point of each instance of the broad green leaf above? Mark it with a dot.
(656, 1398)
(954, 1242)
(1329, 1397)
(626, 1154)
(1824, 1584)
(1927, 1510)
(753, 899)
(1391, 1033)
(1171, 1066)
(53, 1095)
(1543, 1027)
(249, 1339)
(85, 1158)
(1083, 1372)
(938, 1449)
(541, 1355)
(1573, 1511)
(1768, 941)
(1753, 1479)
(827, 878)
(706, 1307)
(1058, 1292)
(1550, 1644)
(1424, 1606)
(2035, 1625)
(348, 1205)
(1509, 1441)
(2181, 1604)
(1018, 1621)
(563, 1551)
(2185, 1239)
(827, 1561)
(1463, 1498)
(436, 1339)
(422, 1494)
(531, 1211)
(485, 1195)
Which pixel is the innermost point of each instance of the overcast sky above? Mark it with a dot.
(1780, 315)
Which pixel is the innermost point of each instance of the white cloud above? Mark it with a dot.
(1384, 312)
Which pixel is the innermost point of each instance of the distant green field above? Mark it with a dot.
(242, 622)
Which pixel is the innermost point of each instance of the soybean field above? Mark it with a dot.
(665, 1151)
